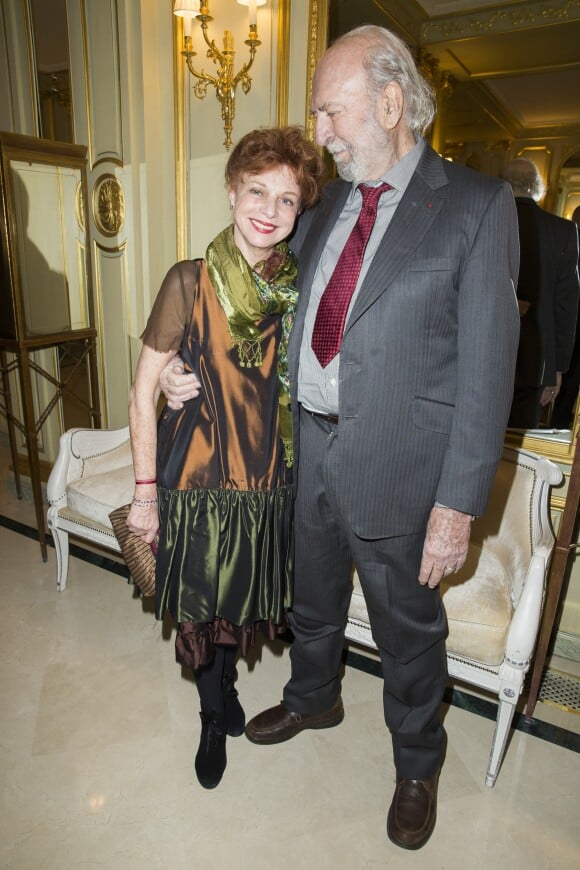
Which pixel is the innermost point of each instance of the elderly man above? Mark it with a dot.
(401, 362)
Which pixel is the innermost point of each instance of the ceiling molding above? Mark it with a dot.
(492, 107)
(500, 20)
(535, 69)
(546, 134)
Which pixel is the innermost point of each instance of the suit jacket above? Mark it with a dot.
(428, 353)
(548, 279)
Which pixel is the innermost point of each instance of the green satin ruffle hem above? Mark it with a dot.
(224, 553)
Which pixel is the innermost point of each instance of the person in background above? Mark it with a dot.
(213, 481)
(563, 411)
(547, 296)
(401, 366)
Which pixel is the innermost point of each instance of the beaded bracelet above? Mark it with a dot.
(144, 502)
(143, 482)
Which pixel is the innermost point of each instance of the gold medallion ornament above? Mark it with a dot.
(108, 205)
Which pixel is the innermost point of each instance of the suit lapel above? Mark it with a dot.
(414, 217)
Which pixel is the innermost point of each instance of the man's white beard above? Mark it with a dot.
(362, 157)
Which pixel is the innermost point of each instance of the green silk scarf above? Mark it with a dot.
(247, 296)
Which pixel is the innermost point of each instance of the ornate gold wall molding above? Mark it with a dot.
(114, 249)
(180, 134)
(283, 62)
(317, 42)
(108, 205)
(500, 20)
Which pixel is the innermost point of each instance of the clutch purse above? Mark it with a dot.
(138, 555)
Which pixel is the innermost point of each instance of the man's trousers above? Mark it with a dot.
(407, 620)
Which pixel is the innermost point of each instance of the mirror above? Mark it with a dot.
(52, 284)
(44, 195)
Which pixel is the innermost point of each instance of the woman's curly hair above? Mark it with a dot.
(269, 147)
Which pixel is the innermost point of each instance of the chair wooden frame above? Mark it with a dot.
(82, 453)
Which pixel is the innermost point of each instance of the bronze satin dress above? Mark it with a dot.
(224, 562)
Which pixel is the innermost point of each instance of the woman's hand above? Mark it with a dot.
(143, 520)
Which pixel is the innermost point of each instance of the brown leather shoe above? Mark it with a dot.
(413, 812)
(278, 724)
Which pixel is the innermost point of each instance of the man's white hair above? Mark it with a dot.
(524, 177)
(389, 60)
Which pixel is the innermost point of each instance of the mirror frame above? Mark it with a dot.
(18, 148)
(557, 451)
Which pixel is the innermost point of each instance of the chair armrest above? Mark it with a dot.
(56, 483)
(88, 443)
(86, 451)
(526, 619)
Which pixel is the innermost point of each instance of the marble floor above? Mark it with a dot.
(99, 727)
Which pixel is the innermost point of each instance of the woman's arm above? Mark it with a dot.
(143, 518)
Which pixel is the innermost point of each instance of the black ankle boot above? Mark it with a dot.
(235, 716)
(210, 761)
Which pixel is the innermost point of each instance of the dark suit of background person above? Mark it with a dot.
(548, 295)
(563, 410)
(425, 384)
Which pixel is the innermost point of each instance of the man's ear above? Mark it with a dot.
(392, 105)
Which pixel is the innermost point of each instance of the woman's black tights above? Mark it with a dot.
(210, 679)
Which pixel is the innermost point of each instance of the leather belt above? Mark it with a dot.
(328, 418)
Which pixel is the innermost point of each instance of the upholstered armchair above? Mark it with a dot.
(495, 602)
(92, 475)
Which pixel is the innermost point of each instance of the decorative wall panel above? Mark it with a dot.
(111, 273)
(103, 87)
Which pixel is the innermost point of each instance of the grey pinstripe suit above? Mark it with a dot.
(426, 380)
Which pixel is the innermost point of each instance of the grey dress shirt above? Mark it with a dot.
(317, 386)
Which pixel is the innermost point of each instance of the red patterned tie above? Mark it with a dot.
(334, 302)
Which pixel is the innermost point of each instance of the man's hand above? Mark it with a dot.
(549, 393)
(523, 306)
(178, 386)
(446, 542)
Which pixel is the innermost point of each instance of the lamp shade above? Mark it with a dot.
(186, 8)
(252, 10)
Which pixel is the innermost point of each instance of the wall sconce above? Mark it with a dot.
(225, 81)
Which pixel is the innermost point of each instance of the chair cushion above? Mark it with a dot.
(479, 607)
(97, 495)
(358, 607)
